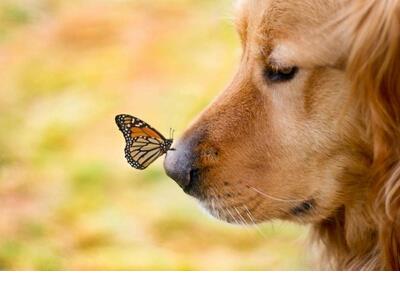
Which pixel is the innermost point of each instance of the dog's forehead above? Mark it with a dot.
(287, 29)
(285, 14)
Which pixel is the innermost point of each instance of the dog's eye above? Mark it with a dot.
(280, 75)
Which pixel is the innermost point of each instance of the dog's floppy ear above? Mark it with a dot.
(373, 67)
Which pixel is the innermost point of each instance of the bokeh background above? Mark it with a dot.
(68, 199)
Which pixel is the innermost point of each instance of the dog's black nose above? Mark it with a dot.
(179, 165)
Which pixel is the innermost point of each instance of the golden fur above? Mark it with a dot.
(322, 148)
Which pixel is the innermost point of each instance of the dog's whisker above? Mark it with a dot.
(249, 214)
(240, 220)
(254, 223)
(275, 198)
(233, 217)
(244, 222)
(214, 211)
(221, 211)
(292, 202)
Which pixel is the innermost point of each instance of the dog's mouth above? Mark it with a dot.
(243, 208)
(227, 213)
(243, 204)
(227, 206)
(220, 202)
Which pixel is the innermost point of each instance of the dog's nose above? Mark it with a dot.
(178, 165)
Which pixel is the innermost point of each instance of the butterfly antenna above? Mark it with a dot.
(171, 135)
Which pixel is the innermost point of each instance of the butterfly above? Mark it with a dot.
(144, 144)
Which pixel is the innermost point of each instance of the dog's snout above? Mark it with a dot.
(179, 166)
(184, 165)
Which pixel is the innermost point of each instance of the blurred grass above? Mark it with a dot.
(68, 199)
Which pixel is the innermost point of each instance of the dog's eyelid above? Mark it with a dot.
(280, 74)
(278, 65)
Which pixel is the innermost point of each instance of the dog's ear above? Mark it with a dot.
(373, 67)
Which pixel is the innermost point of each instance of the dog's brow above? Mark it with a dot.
(273, 62)
(280, 56)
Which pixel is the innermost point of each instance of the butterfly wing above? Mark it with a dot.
(144, 144)
(134, 127)
(142, 152)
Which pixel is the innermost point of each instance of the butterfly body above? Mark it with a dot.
(144, 144)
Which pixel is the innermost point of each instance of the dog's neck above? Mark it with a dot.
(349, 239)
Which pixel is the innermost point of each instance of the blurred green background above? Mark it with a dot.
(68, 199)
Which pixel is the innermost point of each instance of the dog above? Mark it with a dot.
(308, 130)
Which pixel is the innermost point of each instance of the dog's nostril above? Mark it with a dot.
(193, 178)
(194, 173)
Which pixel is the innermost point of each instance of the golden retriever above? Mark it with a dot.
(308, 129)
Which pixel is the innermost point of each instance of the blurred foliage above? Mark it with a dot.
(68, 199)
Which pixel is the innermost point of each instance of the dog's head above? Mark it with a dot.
(281, 141)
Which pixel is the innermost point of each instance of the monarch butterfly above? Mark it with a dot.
(144, 144)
